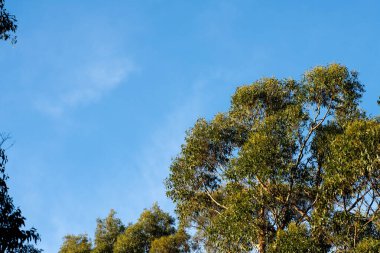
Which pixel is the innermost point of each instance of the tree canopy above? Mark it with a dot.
(292, 166)
(107, 231)
(153, 232)
(138, 237)
(76, 244)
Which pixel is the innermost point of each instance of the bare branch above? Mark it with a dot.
(213, 200)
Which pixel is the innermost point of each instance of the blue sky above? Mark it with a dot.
(97, 95)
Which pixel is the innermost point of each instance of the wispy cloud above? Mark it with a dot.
(164, 143)
(86, 85)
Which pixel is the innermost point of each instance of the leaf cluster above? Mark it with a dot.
(8, 24)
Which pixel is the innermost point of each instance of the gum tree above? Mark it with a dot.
(152, 224)
(76, 244)
(107, 231)
(289, 158)
(153, 232)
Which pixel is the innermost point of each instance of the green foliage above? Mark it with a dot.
(296, 238)
(76, 244)
(287, 152)
(368, 245)
(152, 224)
(107, 231)
(7, 24)
(153, 232)
(175, 243)
(13, 238)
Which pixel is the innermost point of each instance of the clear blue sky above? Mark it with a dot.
(97, 95)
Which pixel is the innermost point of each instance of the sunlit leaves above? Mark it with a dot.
(76, 244)
(107, 231)
(286, 153)
(153, 232)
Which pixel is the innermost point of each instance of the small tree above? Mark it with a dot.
(107, 231)
(152, 224)
(153, 232)
(76, 244)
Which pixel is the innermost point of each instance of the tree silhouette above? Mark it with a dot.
(8, 24)
(13, 238)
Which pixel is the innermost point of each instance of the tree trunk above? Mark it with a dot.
(262, 244)
(262, 233)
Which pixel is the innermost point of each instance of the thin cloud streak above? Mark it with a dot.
(165, 143)
(88, 85)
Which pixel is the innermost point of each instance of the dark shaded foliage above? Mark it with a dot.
(8, 24)
(13, 238)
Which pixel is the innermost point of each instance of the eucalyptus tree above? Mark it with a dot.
(154, 232)
(152, 224)
(107, 232)
(289, 158)
(178, 242)
(76, 244)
